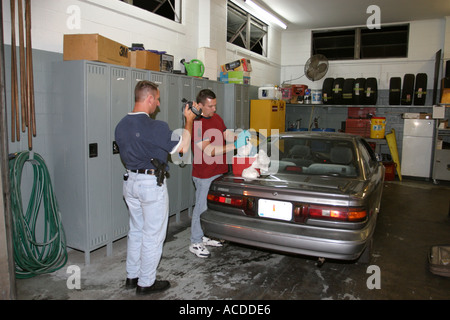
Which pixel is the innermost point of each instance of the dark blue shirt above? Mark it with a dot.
(141, 138)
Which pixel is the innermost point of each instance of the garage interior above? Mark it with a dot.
(72, 138)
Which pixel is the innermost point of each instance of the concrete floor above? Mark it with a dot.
(414, 216)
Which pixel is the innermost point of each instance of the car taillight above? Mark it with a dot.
(248, 204)
(337, 213)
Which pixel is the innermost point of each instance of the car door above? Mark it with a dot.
(374, 174)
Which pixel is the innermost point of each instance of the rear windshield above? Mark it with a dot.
(311, 156)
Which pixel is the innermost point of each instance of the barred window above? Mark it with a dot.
(246, 31)
(362, 43)
(170, 9)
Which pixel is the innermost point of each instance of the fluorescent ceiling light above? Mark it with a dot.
(263, 14)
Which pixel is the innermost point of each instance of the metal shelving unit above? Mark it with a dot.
(441, 157)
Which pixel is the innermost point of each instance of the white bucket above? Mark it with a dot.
(316, 96)
(269, 93)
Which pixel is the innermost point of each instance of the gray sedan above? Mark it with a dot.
(320, 197)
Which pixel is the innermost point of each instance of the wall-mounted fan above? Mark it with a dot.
(316, 67)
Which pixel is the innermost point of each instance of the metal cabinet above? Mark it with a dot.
(179, 183)
(83, 154)
(120, 97)
(90, 99)
(441, 163)
(236, 113)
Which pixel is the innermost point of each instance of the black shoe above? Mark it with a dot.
(158, 286)
(131, 283)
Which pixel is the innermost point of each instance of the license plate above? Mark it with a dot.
(275, 209)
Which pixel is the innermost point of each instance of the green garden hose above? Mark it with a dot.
(33, 257)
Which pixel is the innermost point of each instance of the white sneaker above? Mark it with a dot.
(199, 250)
(210, 242)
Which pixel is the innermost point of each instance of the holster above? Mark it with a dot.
(160, 171)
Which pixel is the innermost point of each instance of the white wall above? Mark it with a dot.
(51, 19)
(287, 50)
(426, 37)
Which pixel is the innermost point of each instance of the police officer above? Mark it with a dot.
(141, 139)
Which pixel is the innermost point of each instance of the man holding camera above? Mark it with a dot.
(144, 145)
(209, 147)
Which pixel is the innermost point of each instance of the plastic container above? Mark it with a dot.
(316, 96)
(299, 89)
(241, 163)
(389, 173)
(286, 93)
(377, 127)
(268, 93)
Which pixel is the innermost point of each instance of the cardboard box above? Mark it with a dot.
(95, 47)
(144, 60)
(240, 77)
(237, 65)
(166, 62)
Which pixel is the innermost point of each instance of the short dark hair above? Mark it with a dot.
(205, 94)
(143, 89)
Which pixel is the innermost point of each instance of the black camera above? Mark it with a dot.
(197, 112)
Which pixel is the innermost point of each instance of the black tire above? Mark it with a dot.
(366, 255)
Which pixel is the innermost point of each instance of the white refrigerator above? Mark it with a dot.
(417, 147)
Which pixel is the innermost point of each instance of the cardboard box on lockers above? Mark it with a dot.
(241, 77)
(152, 60)
(237, 65)
(147, 60)
(95, 47)
(166, 62)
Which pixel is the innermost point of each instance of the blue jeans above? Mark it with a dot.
(201, 193)
(148, 206)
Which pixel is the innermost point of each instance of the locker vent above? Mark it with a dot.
(119, 73)
(120, 232)
(157, 78)
(93, 69)
(99, 240)
(138, 75)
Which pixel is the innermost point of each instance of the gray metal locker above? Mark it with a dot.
(83, 154)
(186, 189)
(160, 79)
(171, 102)
(90, 99)
(136, 76)
(236, 113)
(120, 78)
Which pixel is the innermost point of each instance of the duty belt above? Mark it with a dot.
(145, 171)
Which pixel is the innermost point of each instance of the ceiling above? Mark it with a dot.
(316, 14)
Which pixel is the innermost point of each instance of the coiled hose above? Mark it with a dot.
(33, 257)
